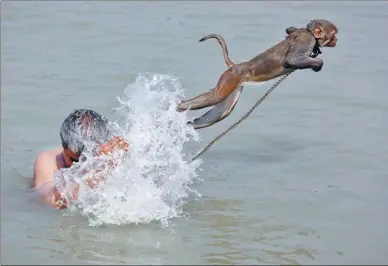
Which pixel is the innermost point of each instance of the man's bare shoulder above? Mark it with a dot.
(48, 156)
(44, 166)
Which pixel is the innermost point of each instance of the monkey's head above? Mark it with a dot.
(324, 32)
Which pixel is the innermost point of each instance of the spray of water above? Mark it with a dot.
(153, 181)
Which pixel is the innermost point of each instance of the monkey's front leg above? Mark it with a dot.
(303, 62)
(299, 56)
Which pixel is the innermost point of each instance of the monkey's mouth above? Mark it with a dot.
(333, 43)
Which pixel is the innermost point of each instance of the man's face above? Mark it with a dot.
(69, 157)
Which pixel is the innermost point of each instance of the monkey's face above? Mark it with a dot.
(331, 39)
(326, 37)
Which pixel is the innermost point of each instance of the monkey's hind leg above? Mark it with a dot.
(201, 101)
(227, 83)
(219, 111)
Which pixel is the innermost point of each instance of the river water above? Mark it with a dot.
(302, 181)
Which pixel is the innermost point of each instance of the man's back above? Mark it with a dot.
(45, 165)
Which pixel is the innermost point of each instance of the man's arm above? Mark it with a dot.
(45, 173)
(116, 143)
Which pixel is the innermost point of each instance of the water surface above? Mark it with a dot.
(302, 181)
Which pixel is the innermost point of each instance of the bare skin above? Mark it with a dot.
(297, 51)
(48, 162)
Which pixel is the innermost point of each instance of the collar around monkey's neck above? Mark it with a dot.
(316, 50)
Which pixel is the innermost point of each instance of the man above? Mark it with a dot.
(80, 130)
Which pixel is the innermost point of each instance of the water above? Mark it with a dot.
(152, 183)
(302, 181)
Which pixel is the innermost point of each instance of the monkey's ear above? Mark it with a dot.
(290, 30)
(319, 33)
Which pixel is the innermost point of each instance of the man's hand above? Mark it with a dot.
(98, 175)
(111, 145)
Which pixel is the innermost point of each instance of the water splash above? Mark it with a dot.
(153, 181)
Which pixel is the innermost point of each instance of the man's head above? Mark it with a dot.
(82, 128)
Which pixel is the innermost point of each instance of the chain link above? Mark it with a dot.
(242, 118)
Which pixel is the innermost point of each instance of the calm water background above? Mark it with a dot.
(304, 180)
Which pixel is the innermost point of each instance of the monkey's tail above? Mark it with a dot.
(222, 42)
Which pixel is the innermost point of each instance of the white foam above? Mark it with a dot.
(153, 182)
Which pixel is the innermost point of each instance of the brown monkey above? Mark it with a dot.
(298, 51)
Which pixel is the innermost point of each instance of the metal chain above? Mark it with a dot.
(242, 118)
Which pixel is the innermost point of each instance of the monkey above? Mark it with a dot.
(298, 50)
